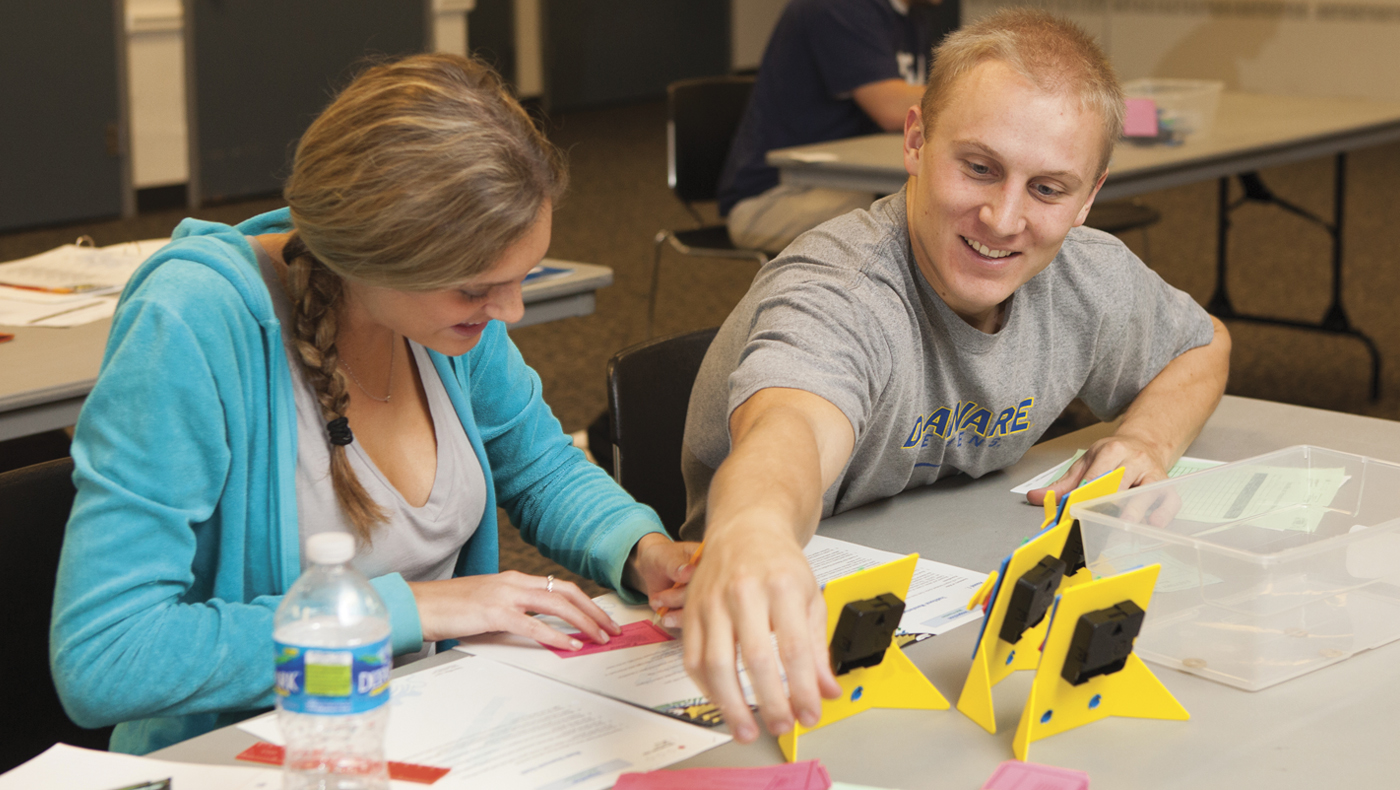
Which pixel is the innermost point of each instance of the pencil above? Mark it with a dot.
(40, 288)
(694, 558)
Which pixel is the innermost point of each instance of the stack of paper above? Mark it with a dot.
(809, 775)
(69, 285)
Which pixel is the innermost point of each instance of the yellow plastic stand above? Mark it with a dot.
(893, 683)
(995, 660)
(1054, 705)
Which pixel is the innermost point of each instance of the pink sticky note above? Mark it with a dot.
(809, 775)
(1016, 775)
(1141, 120)
(642, 632)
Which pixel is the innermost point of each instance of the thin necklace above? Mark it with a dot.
(393, 343)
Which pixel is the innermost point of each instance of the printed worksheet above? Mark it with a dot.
(938, 594)
(1273, 497)
(650, 672)
(500, 727)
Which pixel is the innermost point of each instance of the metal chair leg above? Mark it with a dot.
(661, 238)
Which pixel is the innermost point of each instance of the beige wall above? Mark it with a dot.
(751, 21)
(1264, 46)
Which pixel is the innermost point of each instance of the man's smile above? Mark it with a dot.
(985, 250)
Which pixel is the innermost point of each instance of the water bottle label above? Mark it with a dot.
(333, 680)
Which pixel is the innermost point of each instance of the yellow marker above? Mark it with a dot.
(1055, 705)
(893, 683)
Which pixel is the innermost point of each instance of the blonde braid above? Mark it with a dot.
(417, 177)
(315, 293)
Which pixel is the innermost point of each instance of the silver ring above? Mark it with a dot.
(549, 583)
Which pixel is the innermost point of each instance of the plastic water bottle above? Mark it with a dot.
(333, 664)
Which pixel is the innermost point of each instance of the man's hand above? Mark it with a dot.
(753, 583)
(1140, 468)
(753, 589)
(1158, 426)
(1142, 463)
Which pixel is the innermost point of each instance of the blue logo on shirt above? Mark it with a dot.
(945, 421)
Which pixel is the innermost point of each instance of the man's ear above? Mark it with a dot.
(1088, 204)
(913, 140)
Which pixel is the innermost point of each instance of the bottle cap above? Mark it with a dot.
(330, 548)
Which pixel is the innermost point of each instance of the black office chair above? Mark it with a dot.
(648, 393)
(34, 505)
(1120, 216)
(701, 116)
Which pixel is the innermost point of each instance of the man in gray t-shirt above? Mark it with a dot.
(939, 332)
(925, 393)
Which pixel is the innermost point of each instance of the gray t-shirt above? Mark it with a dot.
(845, 314)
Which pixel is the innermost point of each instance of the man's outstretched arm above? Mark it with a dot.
(1161, 422)
(788, 447)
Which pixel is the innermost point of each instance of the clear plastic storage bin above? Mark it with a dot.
(1271, 567)
(1185, 108)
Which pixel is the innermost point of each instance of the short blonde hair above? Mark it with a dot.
(1052, 53)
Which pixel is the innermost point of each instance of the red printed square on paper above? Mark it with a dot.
(272, 754)
(642, 632)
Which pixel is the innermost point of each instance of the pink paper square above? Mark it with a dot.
(642, 632)
(1016, 775)
(1141, 120)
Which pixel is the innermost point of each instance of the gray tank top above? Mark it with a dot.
(420, 543)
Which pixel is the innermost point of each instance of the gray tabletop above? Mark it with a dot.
(1252, 131)
(47, 372)
(1332, 728)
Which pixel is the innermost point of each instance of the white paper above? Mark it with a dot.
(1274, 497)
(88, 270)
(500, 727)
(652, 676)
(938, 594)
(65, 767)
(104, 271)
(1184, 466)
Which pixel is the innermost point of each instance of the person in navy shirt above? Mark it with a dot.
(832, 69)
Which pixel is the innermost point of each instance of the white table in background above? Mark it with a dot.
(1252, 131)
(46, 373)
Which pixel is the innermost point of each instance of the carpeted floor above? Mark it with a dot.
(619, 200)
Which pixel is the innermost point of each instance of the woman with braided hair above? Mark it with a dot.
(341, 364)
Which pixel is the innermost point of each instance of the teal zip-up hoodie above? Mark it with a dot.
(184, 536)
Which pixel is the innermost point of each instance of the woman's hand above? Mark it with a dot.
(471, 605)
(660, 568)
